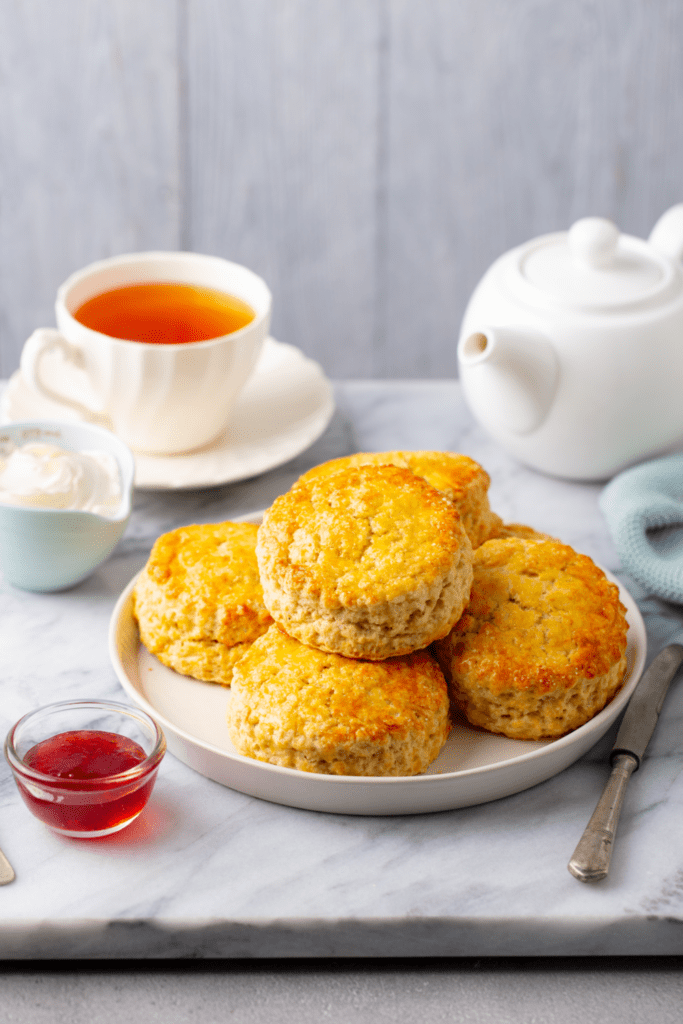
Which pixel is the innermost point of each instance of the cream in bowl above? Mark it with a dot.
(43, 475)
(65, 501)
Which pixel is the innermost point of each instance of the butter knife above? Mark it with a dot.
(591, 859)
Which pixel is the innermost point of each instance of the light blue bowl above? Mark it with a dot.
(46, 549)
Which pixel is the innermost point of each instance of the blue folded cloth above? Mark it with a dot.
(646, 498)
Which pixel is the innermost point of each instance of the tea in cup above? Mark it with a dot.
(167, 341)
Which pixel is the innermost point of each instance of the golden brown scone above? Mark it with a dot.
(541, 647)
(302, 708)
(370, 562)
(518, 530)
(199, 600)
(457, 476)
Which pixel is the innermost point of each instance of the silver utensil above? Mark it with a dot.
(6, 870)
(592, 856)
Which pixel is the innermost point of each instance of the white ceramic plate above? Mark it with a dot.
(285, 406)
(474, 766)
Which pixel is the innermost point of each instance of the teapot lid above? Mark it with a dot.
(593, 267)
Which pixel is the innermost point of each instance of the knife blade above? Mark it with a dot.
(591, 858)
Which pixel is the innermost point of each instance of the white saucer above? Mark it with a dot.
(474, 767)
(285, 407)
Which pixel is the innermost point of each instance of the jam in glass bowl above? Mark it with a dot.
(86, 768)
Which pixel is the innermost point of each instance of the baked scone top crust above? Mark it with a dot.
(204, 580)
(540, 617)
(457, 476)
(358, 537)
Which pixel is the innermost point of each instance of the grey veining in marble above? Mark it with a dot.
(208, 872)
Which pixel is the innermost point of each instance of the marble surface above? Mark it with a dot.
(207, 872)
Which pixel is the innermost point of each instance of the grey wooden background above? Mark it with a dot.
(369, 158)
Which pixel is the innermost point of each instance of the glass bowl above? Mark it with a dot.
(86, 768)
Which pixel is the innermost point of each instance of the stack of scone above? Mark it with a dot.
(380, 593)
(364, 563)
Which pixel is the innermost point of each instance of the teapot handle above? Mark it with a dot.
(667, 234)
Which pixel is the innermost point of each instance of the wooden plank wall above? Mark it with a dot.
(369, 158)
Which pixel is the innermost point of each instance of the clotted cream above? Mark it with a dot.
(43, 475)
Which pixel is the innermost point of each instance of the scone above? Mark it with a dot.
(369, 562)
(199, 601)
(460, 478)
(541, 647)
(302, 708)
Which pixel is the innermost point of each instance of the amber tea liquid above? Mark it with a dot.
(164, 313)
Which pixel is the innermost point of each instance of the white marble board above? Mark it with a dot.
(210, 872)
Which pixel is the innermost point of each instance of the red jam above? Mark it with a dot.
(78, 802)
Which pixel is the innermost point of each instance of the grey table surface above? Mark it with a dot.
(379, 416)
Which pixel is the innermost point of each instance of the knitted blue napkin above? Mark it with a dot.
(646, 498)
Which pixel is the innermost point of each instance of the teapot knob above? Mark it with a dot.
(667, 234)
(593, 240)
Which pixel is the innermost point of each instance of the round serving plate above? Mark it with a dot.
(474, 766)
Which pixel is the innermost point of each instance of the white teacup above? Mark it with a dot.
(161, 398)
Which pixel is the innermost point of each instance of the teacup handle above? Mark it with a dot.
(42, 341)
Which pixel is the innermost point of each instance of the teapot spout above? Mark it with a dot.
(667, 234)
(510, 375)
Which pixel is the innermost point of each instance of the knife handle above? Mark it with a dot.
(591, 858)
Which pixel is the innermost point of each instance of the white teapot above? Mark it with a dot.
(571, 348)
